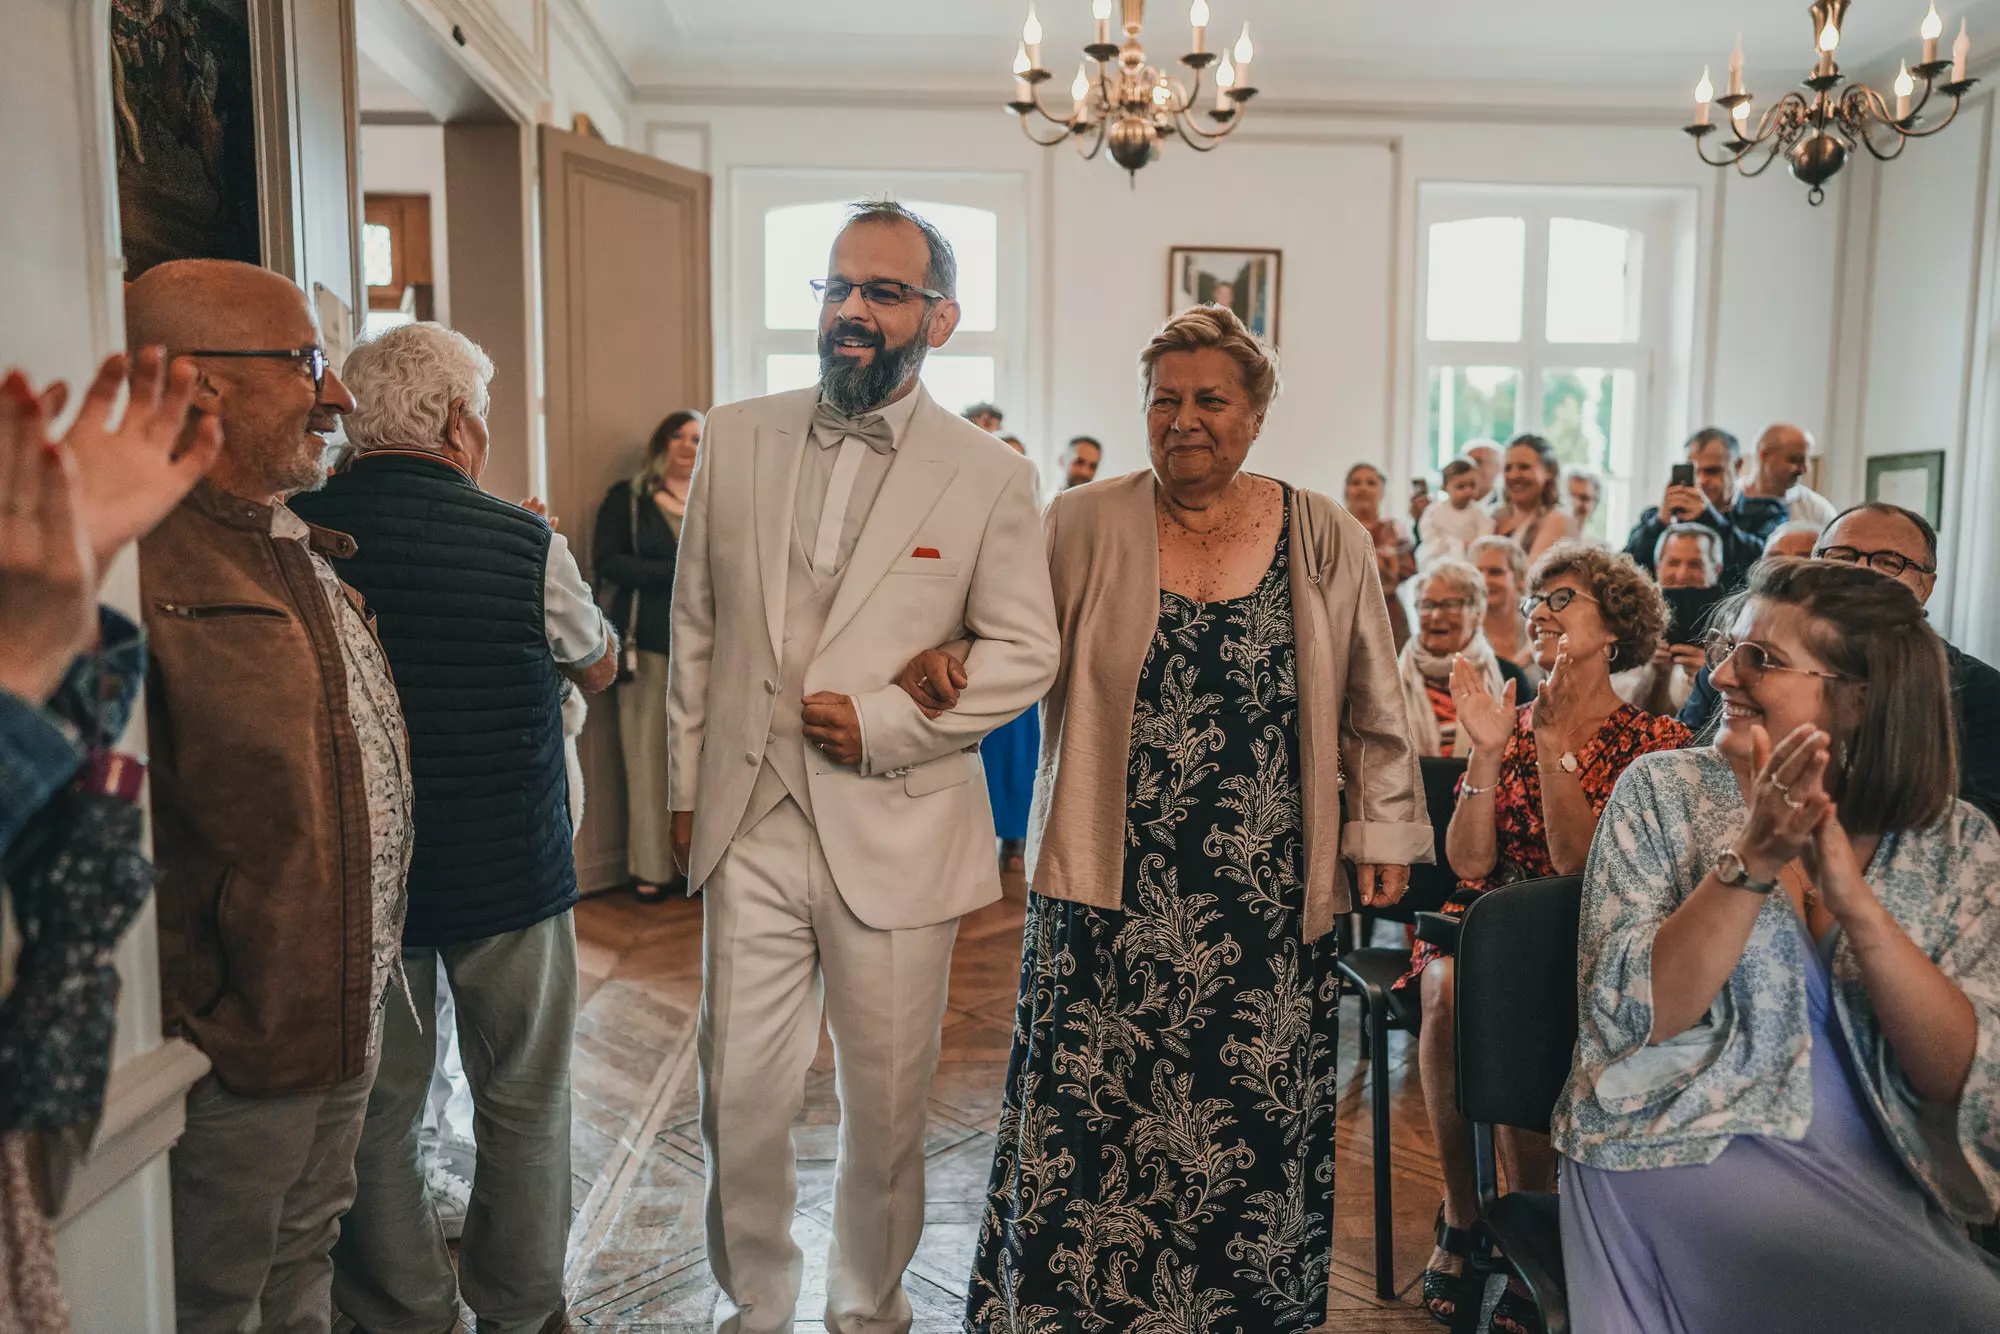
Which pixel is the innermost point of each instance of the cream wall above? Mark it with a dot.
(1337, 191)
(409, 159)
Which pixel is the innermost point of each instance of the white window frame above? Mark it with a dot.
(758, 190)
(1658, 356)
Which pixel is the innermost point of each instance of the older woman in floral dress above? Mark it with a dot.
(1165, 1156)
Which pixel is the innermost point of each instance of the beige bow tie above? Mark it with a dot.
(835, 426)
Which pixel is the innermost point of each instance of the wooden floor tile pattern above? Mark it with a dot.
(636, 1259)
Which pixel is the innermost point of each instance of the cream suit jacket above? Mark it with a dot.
(909, 834)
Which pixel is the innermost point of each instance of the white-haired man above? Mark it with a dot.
(483, 614)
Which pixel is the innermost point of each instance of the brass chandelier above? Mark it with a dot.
(1816, 131)
(1128, 104)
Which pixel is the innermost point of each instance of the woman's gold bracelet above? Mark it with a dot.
(1468, 790)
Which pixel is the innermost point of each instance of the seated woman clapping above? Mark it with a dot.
(1536, 780)
(1451, 606)
(1786, 1096)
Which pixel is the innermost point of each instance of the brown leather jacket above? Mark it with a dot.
(260, 815)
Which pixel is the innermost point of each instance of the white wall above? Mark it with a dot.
(1338, 194)
(409, 160)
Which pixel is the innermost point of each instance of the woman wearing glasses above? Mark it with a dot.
(1785, 1104)
(1536, 780)
(1451, 606)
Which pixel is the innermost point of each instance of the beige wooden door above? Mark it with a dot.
(626, 267)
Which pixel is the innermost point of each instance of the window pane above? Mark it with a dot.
(798, 238)
(378, 256)
(1471, 403)
(1590, 416)
(1477, 276)
(1593, 282)
(955, 382)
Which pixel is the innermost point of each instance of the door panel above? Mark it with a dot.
(626, 269)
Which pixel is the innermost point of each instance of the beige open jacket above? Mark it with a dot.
(1104, 561)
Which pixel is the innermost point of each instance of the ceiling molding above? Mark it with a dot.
(402, 118)
(590, 43)
(963, 99)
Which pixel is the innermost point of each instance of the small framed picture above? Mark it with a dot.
(1248, 281)
(1914, 481)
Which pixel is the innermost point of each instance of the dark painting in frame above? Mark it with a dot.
(184, 114)
(1249, 281)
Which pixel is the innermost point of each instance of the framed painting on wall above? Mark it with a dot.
(1248, 281)
(1914, 481)
(183, 111)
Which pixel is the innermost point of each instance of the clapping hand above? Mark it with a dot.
(933, 679)
(134, 474)
(1487, 721)
(48, 577)
(1788, 800)
(1555, 712)
(1831, 861)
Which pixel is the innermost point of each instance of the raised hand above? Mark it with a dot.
(134, 474)
(1787, 800)
(933, 679)
(1557, 717)
(1487, 721)
(48, 578)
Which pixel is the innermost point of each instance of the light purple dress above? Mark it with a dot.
(1831, 1233)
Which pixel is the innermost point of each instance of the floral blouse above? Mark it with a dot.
(1746, 1068)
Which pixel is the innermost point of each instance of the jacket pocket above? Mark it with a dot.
(937, 775)
(935, 568)
(218, 934)
(215, 611)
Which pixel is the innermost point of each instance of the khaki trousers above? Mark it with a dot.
(259, 1185)
(642, 734)
(778, 943)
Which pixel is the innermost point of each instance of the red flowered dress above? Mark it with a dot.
(1523, 840)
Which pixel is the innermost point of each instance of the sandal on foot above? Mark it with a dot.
(649, 893)
(1443, 1292)
(1517, 1314)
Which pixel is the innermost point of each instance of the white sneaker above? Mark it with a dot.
(451, 1196)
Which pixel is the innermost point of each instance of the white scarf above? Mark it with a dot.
(1414, 666)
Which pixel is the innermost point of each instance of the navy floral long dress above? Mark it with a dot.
(1165, 1157)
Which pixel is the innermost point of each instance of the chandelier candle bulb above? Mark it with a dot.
(1198, 16)
(1704, 93)
(1243, 53)
(1961, 51)
(1080, 90)
(1225, 79)
(1736, 68)
(1023, 90)
(1932, 30)
(1905, 85)
(1101, 11)
(1031, 38)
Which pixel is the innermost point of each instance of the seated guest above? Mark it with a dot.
(1533, 516)
(985, 416)
(635, 548)
(1504, 566)
(281, 809)
(1448, 529)
(1717, 502)
(1451, 604)
(1080, 459)
(1537, 778)
(1586, 493)
(1689, 563)
(1782, 452)
(1783, 1106)
(1395, 550)
(1797, 538)
(483, 614)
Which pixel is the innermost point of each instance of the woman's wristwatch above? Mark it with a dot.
(1735, 873)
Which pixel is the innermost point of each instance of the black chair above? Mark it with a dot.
(1370, 973)
(1517, 985)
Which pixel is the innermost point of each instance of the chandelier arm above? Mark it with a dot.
(1036, 98)
(1200, 140)
(1777, 151)
(1867, 141)
(1925, 132)
(1728, 159)
(1037, 140)
(1097, 144)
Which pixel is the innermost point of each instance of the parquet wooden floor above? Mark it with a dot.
(636, 1262)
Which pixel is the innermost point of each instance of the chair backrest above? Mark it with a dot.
(1430, 886)
(1517, 988)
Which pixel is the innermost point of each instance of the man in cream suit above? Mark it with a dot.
(837, 833)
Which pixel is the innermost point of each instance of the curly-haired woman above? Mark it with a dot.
(1535, 783)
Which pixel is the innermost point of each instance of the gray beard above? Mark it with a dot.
(856, 389)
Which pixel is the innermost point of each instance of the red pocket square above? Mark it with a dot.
(925, 553)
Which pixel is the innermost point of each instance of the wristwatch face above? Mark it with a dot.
(1730, 870)
(1569, 763)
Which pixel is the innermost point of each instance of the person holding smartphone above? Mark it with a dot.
(1705, 491)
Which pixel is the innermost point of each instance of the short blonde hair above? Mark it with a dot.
(1217, 327)
(405, 381)
(1627, 598)
(1459, 576)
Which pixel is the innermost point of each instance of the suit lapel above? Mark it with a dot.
(916, 479)
(780, 447)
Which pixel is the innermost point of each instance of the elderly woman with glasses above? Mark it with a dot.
(1785, 1102)
(1451, 606)
(1536, 779)
(1165, 1155)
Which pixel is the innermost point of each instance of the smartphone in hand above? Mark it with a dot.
(1682, 475)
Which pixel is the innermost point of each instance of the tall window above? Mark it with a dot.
(796, 216)
(1546, 311)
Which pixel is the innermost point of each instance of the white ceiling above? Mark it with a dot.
(1305, 47)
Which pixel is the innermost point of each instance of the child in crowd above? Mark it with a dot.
(1449, 530)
